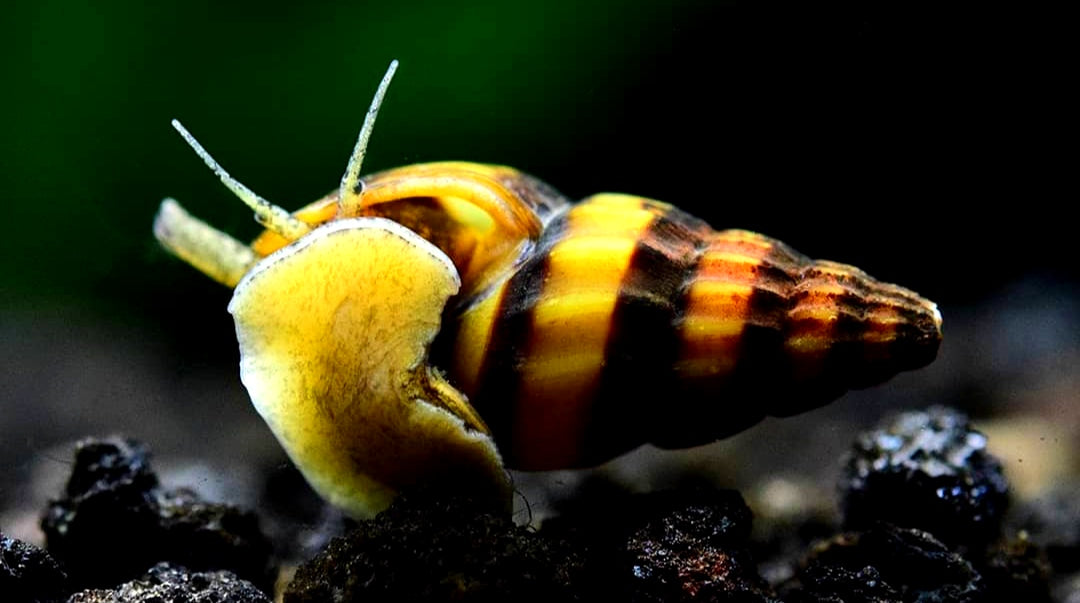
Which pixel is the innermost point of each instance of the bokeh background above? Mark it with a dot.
(931, 149)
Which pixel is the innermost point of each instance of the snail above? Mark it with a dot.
(450, 320)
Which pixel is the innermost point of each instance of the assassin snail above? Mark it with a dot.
(448, 320)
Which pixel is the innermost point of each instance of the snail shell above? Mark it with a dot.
(569, 333)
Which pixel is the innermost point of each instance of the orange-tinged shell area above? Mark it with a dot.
(480, 215)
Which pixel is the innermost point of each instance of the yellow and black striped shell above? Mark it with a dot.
(568, 333)
(618, 306)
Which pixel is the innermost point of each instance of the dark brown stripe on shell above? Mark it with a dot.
(643, 343)
(499, 379)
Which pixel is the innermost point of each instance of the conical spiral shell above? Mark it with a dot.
(631, 321)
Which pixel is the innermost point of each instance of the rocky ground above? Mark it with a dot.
(960, 482)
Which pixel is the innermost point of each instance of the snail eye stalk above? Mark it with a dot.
(351, 187)
(267, 214)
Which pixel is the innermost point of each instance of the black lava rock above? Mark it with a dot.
(116, 522)
(887, 563)
(927, 470)
(671, 546)
(824, 583)
(166, 583)
(29, 575)
(430, 546)
(693, 546)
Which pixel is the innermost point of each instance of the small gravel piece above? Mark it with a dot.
(115, 522)
(166, 583)
(29, 574)
(927, 470)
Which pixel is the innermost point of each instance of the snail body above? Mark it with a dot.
(569, 333)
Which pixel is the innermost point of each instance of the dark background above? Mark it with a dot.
(928, 147)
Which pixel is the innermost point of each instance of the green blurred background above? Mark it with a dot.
(875, 138)
(924, 148)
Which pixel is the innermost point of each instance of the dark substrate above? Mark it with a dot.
(925, 517)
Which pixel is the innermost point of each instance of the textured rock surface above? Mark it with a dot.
(693, 547)
(927, 470)
(115, 522)
(437, 548)
(166, 583)
(689, 544)
(685, 545)
(29, 574)
(887, 563)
